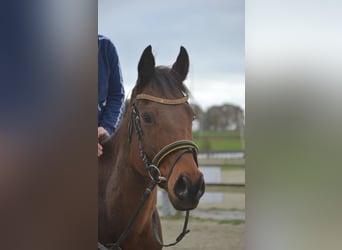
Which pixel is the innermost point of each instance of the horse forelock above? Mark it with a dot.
(164, 83)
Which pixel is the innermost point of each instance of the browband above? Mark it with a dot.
(162, 100)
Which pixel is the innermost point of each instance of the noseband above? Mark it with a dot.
(182, 146)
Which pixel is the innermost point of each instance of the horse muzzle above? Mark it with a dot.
(187, 192)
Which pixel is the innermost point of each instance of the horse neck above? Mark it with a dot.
(122, 187)
(124, 177)
(119, 166)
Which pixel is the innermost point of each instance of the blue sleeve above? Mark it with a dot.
(113, 110)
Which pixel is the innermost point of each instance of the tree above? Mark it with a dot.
(224, 117)
(199, 117)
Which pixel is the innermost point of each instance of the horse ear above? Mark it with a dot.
(146, 65)
(181, 66)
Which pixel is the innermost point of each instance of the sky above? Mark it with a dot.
(212, 31)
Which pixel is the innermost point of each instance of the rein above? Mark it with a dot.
(183, 146)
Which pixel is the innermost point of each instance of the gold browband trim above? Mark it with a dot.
(162, 100)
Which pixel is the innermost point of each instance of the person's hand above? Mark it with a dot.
(99, 150)
(100, 132)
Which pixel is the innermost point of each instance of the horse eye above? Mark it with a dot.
(147, 117)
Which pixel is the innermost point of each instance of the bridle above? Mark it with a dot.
(152, 167)
(183, 145)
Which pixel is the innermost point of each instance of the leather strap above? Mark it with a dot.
(180, 236)
(173, 147)
(162, 100)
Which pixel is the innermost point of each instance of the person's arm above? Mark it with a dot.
(113, 110)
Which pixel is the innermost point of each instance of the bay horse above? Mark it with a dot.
(152, 146)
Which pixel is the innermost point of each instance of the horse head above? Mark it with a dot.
(162, 119)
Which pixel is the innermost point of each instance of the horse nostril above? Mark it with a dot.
(181, 187)
(201, 189)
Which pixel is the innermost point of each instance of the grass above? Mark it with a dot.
(218, 141)
(214, 133)
(218, 145)
(232, 167)
(233, 222)
(208, 209)
(179, 216)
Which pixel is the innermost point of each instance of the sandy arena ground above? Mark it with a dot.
(213, 230)
(209, 235)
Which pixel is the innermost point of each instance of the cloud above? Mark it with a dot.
(211, 31)
(209, 92)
